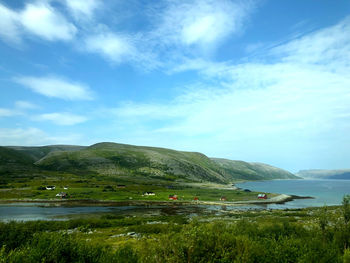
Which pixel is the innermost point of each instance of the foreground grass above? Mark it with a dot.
(305, 235)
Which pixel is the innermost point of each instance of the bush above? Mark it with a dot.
(108, 188)
(346, 257)
(346, 208)
(56, 247)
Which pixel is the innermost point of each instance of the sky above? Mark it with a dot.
(254, 80)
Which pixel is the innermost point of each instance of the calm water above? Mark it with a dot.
(33, 211)
(41, 211)
(326, 192)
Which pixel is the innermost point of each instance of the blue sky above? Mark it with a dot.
(264, 80)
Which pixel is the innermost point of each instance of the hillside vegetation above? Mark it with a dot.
(252, 171)
(115, 160)
(12, 161)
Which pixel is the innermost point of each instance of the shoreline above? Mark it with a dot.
(280, 199)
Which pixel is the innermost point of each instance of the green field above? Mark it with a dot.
(106, 188)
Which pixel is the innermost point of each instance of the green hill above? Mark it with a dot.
(117, 160)
(252, 171)
(41, 151)
(12, 161)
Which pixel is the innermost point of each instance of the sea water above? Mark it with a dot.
(324, 191)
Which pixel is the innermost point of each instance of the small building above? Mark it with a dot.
(223, 198)
(262, 196)
(196, 198)
(50, 187)
(172, 197)
(62, 195)
(149, 193)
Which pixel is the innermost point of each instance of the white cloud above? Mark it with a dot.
(111, 46)
(201, 22)
(25, 105)
(64, 118)
(33, 136)
(118, 48)
(7, 112)
(37, 18)
(83, 9)
(56, 87)
(179, 31)
(19, 109)
(42, 20)
(9, 24)
(299, 97)
(150, 111)
(327, 47)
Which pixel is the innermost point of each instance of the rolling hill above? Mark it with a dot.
(39, 152)
(13, 162)
(252, 171)
(112, 159)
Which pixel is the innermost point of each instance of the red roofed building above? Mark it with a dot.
(172, 197)
(262, 196)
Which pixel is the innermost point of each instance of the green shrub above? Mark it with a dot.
(346, 208)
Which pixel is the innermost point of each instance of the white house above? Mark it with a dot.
(149, 193)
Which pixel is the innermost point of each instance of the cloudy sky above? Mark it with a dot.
(263, 80)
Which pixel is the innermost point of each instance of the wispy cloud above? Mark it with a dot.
(61, 118)
(7, 112)
(25, 105)
(300, 94)
(119, 48)
(56, 87)
(9, 24)
(34, 136)
(201, 23)
(111, 46)
(328, 47)
(39, 19)
(83, 9)
(42, 20)
(176, 31)
(20, 108)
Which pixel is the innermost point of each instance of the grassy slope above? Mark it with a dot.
(12, 161)
(112, 159)
(252, 171)
(37, 153)
(94, 173)
(119, 159)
